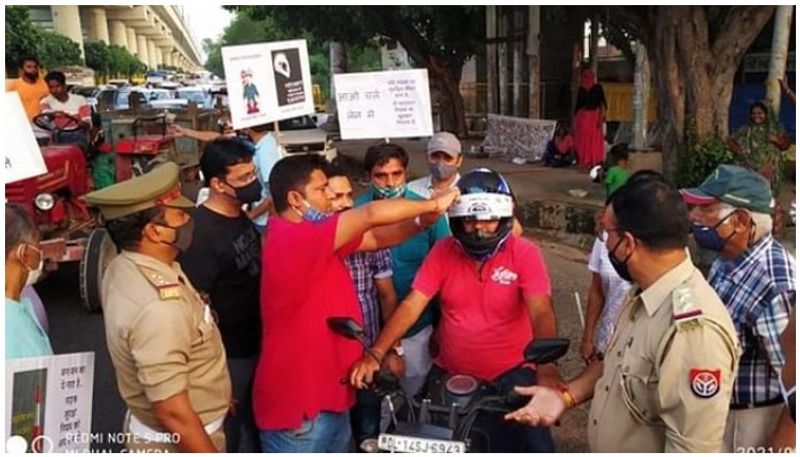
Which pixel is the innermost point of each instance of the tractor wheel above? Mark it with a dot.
(100, 250)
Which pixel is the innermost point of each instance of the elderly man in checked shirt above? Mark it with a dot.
(372, 276)
(755, 278)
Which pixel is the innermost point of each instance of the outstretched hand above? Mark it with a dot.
(443, 199)
(544, 409)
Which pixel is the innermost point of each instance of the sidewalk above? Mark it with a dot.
(545, 206)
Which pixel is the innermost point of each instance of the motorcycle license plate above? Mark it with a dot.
(400, 443)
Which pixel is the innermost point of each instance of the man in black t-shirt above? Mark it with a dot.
(224, 265)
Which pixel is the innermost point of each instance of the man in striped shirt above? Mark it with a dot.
(755, 278)
(372, 276)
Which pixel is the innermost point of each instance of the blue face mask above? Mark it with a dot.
(314, 215)
(708, 238)
(387, 192)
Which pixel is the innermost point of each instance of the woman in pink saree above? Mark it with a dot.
(590, 113)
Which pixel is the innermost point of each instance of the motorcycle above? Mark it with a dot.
(442, 418)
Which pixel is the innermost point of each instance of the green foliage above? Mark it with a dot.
(22, 37)
(56, 50)
(445, 32)
(245, 29)
(123, 63)
(98, 57)
(698, 161)
(25, 38)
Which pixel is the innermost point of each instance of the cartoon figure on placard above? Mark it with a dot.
(250, 91)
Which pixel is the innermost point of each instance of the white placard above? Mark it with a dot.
(49, 402)
(384, 104)
(23, 157)
(267, 82)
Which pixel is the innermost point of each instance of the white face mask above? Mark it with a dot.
(35, 274)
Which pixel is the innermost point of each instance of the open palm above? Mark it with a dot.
(544, 409)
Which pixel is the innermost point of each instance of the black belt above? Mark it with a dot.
(774, 401)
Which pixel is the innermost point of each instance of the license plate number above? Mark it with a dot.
(400, 443)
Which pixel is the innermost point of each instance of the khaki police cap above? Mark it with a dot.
(159, 187)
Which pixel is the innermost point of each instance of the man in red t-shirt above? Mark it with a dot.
(299, 398)
(494, 291)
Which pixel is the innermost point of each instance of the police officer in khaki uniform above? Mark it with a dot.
(166, 349)
(666, 381)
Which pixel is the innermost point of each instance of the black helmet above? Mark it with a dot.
(485, 195)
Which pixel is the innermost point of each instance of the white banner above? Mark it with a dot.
(23, 157)
(384, 104)
(49, 403)
(267, 82)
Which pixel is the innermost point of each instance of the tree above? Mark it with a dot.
(439, 38)
(123, 63)
(56, 50)
(695, 52)
(98, 57)
(22, 37)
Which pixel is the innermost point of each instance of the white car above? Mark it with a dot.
(300, 135)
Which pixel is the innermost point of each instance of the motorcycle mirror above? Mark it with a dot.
(546, 350)
(346, 327)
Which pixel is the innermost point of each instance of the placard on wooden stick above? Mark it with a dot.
(267, 82)
(385, 104)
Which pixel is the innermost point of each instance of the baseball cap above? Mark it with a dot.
(445, 142)
(735, 186)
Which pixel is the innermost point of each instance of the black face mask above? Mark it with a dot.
(248, 194)
(31, 76)
(183, 235)
(620, 266)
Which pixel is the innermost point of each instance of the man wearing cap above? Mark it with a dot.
(755, 277)
(665, 381)
(165, 346)
(444, 160)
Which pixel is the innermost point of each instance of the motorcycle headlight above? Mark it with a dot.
(44, 202)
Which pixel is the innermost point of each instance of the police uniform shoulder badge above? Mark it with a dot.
(705, 383)
(685, 311)
(167, 290)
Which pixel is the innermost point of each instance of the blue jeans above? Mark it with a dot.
(241, 434)
(328, 432)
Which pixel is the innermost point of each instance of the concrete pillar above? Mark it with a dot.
(133, 45)
(641, 96)
(779, 55)
(534, 66)
(141, 47)
(517, 67)
(98, 26)
(166, 58)
(502, 57)
(67, 22)
(119, 34)
(159, 57)
(491, 59)
(152, 56)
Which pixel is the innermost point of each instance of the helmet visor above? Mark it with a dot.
(483, 206)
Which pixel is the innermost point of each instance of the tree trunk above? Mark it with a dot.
(338, 64)
(452, 107)
(696, 78)
(779, 54)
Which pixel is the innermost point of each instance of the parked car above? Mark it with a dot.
(300, 135)
(201, 97)
(90, 93)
